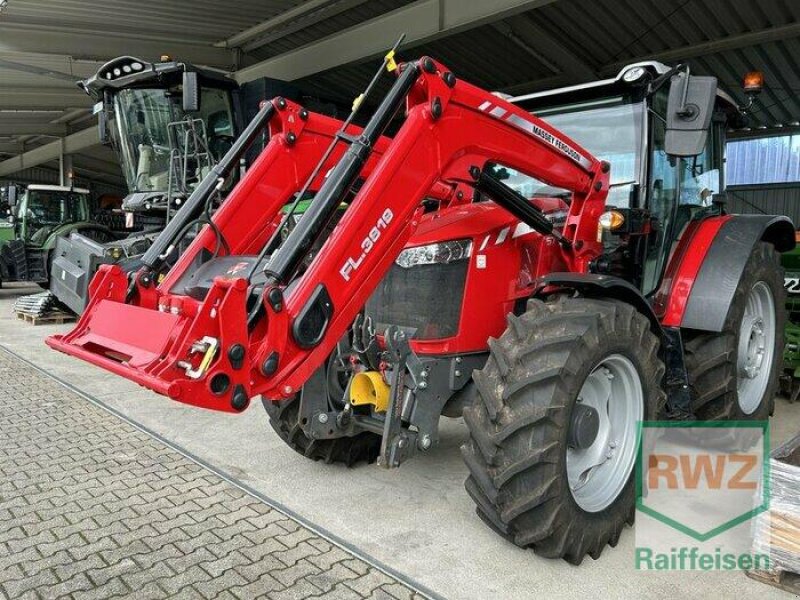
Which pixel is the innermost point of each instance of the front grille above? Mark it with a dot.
(424, 298)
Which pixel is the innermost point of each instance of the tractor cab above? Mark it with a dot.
(33, 220)
(664, 173)
(169, 123)
(44, 208)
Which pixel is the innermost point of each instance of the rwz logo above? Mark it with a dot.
(701, 479)
(687, 471)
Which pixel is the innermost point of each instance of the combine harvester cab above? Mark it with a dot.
(161, 169)
(167, 331)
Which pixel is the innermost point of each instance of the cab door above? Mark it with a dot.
(680, 189)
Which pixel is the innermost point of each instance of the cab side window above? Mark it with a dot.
(700, 177)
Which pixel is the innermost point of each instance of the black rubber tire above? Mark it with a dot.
(518, 426)
(45, 285)
(284, 419)
(711, 358)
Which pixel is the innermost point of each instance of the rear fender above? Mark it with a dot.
(699, 288)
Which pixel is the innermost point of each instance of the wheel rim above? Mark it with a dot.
(756, 348)
(598, 473)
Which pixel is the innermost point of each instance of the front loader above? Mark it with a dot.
(481, 263)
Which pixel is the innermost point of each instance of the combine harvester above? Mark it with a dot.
(168, 122)
(554, 286)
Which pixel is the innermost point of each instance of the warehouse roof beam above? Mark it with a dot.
(309, 19)
(100, 45)
(302, 9)
(422, 21)
(37, 156)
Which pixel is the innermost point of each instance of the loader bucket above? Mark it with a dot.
(174, 350)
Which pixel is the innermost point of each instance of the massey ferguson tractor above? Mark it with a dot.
(555, 268)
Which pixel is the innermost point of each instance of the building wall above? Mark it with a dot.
(775, 199)
(43, 175)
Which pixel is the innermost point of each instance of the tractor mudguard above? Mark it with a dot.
(705, 280)
(63, 231)
(592, 285)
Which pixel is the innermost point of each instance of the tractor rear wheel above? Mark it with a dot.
(735, 374)
(284, 417)
(553, 432)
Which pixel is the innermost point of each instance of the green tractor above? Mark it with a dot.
(33, 219)
(790, 381)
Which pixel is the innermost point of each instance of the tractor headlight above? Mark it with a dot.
(115, 252)
(435, 254)
(611, 220)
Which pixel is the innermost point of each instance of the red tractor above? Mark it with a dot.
(479, 262)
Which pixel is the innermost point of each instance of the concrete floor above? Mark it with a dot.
(417, 519)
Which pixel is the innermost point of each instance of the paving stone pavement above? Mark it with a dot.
(92, 507)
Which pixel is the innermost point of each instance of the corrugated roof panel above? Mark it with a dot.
(208, 20)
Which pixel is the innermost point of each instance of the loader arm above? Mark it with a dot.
(242, 337)
(450, 127)
(144, 335)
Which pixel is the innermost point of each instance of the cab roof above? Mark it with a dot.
(126, 72)
(57, 188)
(606, 87)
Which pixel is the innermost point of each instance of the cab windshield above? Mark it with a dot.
(52, 207)
(611, 129)
(143, 135)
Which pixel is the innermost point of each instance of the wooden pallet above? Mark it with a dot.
(54, 317)
(785, 580)
(781, 533)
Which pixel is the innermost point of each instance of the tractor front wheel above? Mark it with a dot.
(553, 432)
(284, 417)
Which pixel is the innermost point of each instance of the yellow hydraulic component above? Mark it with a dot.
(368, 387)
(391, 64)
(357, 101)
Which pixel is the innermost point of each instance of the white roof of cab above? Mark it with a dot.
(57, 188)
(659, 68)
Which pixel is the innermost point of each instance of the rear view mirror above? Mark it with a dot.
(191, 92)
(102, 127)
(11, 196)
(104, 110)
(689, 110)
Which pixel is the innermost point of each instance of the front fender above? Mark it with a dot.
(707, 270)
(600, 286)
